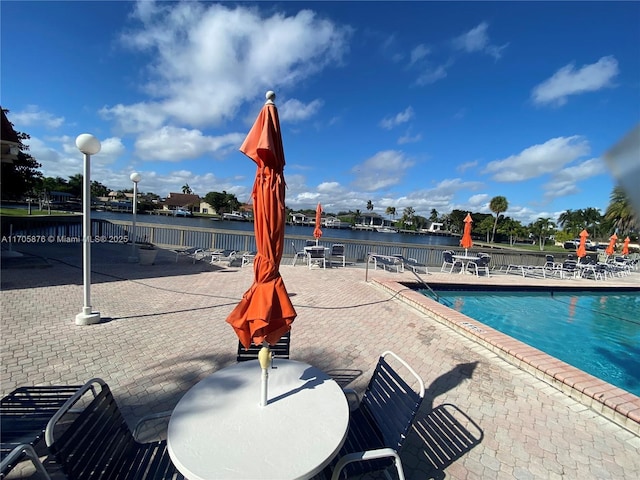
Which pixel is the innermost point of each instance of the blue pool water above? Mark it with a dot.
(599, 333)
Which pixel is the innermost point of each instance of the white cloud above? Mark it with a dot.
(390, 122)
(32, 115)
(569, 81)
(408, 138)
(463, 167)
(175, 144)
(478, 200)
(538, 160)
(418, 53)
(432, 75)
(208, 59)
(477, 40)
(383, 170)
(565, 182)
(294, 110)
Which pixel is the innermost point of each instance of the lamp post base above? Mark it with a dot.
(87, 317)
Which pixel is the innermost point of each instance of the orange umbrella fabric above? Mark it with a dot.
(612, 244)
(466, 241)
(265, 312)
(582, 247)
(317, 233)
(625, 246)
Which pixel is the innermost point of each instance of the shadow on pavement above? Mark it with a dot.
(61, 264)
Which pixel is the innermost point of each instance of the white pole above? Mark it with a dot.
(88, 145)
(135, 178)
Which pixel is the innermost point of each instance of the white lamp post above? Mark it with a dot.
(88, 145)
(135, 178)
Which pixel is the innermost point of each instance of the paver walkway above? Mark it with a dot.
(164, 330)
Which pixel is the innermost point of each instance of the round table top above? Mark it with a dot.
(219, 430)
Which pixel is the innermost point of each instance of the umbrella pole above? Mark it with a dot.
(264, 357)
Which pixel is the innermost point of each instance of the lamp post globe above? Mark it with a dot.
(135, 177)
(88, 145)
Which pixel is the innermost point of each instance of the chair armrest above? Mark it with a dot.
(148, 418)
(15, 456)
(368, 455)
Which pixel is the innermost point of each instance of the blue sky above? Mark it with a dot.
(425, 104)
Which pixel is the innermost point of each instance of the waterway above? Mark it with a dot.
(333, 233)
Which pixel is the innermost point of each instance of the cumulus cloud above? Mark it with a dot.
(432, 75)
(538, 160)
(32, 115)
(390, 122)
(383, 170)
(463, 167)
(408, 138)
(208, 59)
(477, 40)
(565, 182)
(173, 144)
(569, 81)
(294, 110)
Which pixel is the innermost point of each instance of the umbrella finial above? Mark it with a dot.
(271, 96)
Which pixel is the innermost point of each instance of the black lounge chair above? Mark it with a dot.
(337, 250)
(96, 443)
(387, 262)
(24, 414)
(279, 350)
(381, 421)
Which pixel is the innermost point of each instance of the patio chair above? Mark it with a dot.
(381, 421)
(297, 254)
(569, 268)
(24, 414)
(279, 350)
(97, 442)
(482, 264)
(448, 262)
(248, 258)
(194, 253)
(224, 256)
(387, 262)
(17, 455)
(337, 250)
(316, 255)
(413, 264)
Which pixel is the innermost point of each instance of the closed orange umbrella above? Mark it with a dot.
(265, 312)
(625, 246)
(317, 233)
(582, 247)
(612, 244)
(466, 241)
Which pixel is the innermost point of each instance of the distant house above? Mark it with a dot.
(182, 201)
(299, 219)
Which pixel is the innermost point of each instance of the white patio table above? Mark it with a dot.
(467, 259)
(219, 430)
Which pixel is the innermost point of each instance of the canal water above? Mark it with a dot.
(202, 222)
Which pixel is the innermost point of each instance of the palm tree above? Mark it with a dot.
(186, 189)
(391, 211)
(542, 228)
(369, 205)
(497, 205)
(620, 212)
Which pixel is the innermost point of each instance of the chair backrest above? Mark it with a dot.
(316, 252)
(448, 256)
(97, 442)
(391, 401)
(549, 258)
(279, 350)
(483, 261)
(310, 243)
(337, 249)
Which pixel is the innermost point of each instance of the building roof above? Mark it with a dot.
(181, 200)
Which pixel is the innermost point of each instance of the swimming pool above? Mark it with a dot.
(597, 332)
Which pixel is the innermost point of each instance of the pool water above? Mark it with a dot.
(599, 333)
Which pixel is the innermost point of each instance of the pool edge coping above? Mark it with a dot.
(613, 403)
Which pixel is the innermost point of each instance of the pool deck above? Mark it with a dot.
(494, 407)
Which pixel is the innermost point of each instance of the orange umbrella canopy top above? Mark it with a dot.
(317, 233)
(612, 244)
(265, 312)
(466, 241)
(582, 247)
(625, 246)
